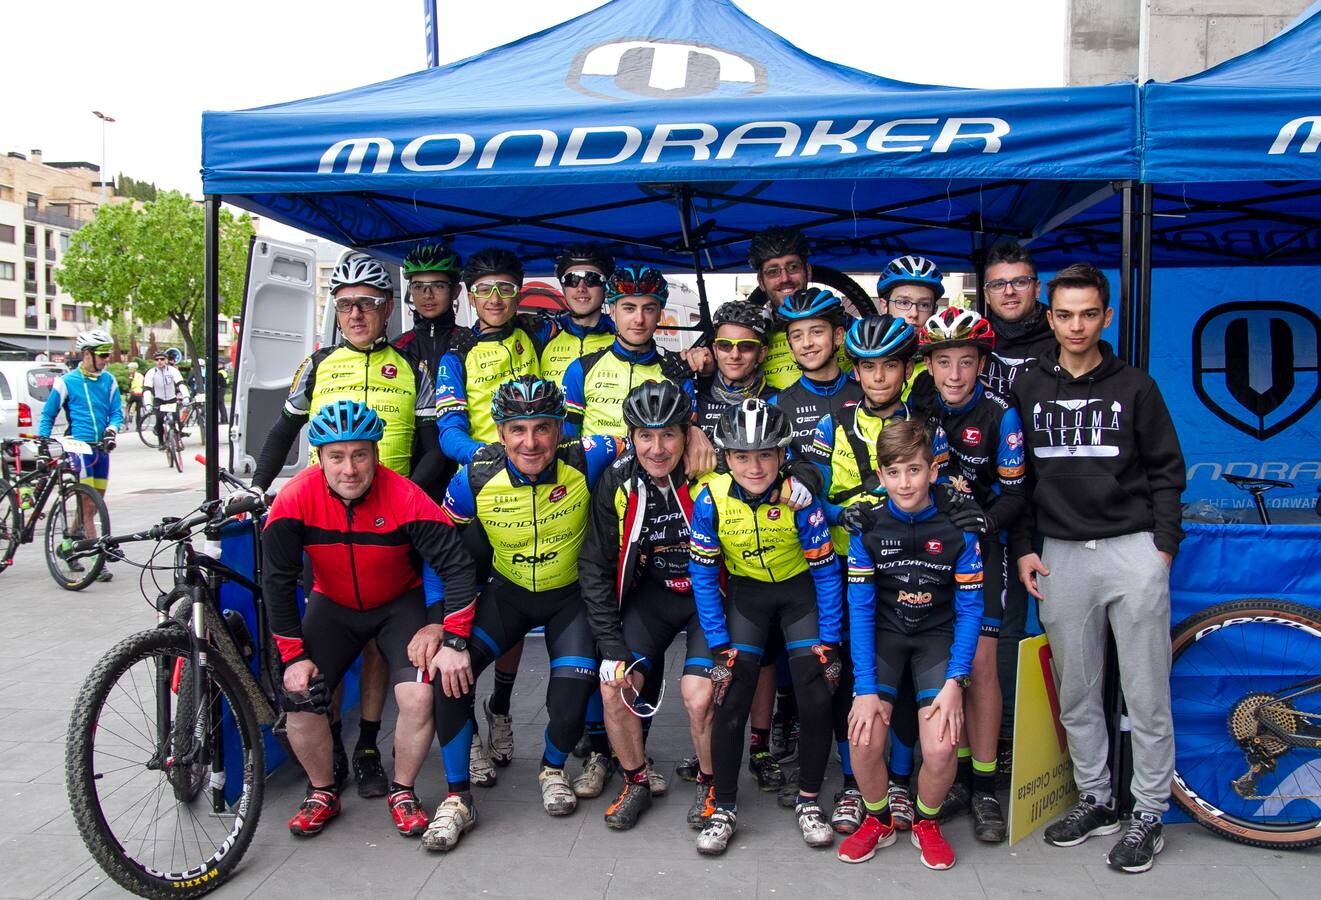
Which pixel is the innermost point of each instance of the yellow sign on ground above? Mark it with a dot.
(1042, 784)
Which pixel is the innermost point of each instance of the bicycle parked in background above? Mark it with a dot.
(51, 491)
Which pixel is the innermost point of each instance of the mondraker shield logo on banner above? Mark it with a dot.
(1255, 364)
(656, 67)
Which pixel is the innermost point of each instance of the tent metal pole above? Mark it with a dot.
(1126, 310)
(212, 314)
(979, 271)
(1144, 279)
(685, 222)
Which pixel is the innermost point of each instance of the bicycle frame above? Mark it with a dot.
(47, 477)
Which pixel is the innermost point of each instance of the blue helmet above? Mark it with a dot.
(879, 337)
(634, 281)
(811, 303)
(910, 270)
(527, 397)
(344, 420)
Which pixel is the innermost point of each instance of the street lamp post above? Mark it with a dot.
(105, 120)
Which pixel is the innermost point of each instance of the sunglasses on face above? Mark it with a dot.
(742, 345)
(100, 355)
(362, 304)
(591, 279)
(506, 290)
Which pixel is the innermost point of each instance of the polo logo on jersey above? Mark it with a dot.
(380, 520)
(915, 598)
(389, 371)
(972, 436)
(558, 494)
(773, 513)
(934, 546)
(657, 67)
(1255, 364)
(536, 559)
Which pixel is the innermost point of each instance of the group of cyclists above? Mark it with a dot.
(843, 517)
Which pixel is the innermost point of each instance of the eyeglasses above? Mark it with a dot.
(362, 304)
(1021, 283)
(903, 304)
(488, 289)
(591, 279)
(742, 345)
(430, 287)
(773, 272)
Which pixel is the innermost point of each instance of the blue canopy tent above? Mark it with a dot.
(673, 132)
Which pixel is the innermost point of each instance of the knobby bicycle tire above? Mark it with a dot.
(59, 527)
(111, 824)
(11, 524)
(1196, 794)
(174, 448)
(147, 430)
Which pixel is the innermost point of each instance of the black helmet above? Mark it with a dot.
(776, 241)
(492, 261)
(656, 404)
(741, 312)
(753, 425)
(811, 303)
(584, 255)
(527, 397)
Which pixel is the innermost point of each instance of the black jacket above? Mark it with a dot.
(1103, 451)
(1018, 346)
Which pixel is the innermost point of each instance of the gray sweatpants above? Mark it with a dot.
(1122, 579)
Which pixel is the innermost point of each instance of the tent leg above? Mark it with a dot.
(686, 224)
(211, 314)
(1144, 280)
(1126, 311)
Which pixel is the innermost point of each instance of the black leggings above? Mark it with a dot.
(751, 609)
(505, 613)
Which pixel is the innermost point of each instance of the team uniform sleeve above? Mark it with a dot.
(968, 608)
(460, 505)
(452, 423)
(862, 617)
(599, 451)
(575, 401)
(598, 571)
(282, 569)
(116, 400)
(940, 450)
(819, 452)
(819, 551)
(1010, 471)
(50, 410)
(704, 559)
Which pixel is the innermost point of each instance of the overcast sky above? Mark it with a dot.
(155, 65)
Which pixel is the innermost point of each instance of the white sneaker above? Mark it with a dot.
(655, 780)
(499, 735)
(452, 819)
(720, 827)
(596, 772)
(812, 822)
(481, 772)
(557, 797)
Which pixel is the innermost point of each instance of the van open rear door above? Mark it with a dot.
(279, 329)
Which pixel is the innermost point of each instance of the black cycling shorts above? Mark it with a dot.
(928, 654)
(995, 575)
(654, 616)
(334, 635)
(763, 617)
(506, 612)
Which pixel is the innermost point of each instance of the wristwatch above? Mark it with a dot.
(963, 681)
(454, 642)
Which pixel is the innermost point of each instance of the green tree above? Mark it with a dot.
(148, 263)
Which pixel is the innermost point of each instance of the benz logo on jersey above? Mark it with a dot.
(1255, 364)
(660, 67)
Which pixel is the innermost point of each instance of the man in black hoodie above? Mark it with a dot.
(1109, 474)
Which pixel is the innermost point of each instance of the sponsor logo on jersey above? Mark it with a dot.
(934, 546)
(389, 371)
(380, 521)
(972, 435)
(817, 517)
(773, 513)
(915, 598)
(1014, 439)
(559, 494)
(589, 443)
(518, 346)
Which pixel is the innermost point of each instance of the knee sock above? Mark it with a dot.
(502, 692)
(964, 773)
(927, 812)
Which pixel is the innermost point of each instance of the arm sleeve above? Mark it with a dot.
(968, 608)
(460, 505)
(431, 462)
(814, 536)
(1010, 472)
(862, 617)
(808, 473)
(276, 449)
(1162, 460)
(448, 563)
(50, 410)
(598, 571)
(282, 569)
(704, 569)
(575, 403)
(819, 453)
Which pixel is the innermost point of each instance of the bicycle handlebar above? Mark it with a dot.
(214, 514)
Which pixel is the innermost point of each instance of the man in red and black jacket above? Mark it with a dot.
(363, 527)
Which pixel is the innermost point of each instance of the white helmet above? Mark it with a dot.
(90, 340)
(359, 268)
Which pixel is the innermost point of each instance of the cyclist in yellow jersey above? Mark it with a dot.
(363, 367)
(500, 346)
(583, 271)
(532, 494)
(910, 288)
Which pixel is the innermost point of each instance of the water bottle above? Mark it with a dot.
(25, 497)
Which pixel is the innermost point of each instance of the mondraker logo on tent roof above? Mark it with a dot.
(657, 67)
(1290, 130)
(1257, 364)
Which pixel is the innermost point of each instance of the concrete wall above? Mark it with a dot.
(1185, 37)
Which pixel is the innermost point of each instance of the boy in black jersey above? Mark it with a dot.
(985, 460)
(915, 602)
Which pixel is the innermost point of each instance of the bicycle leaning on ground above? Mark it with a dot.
(171, 717)
(51, 491)
(1247, 685)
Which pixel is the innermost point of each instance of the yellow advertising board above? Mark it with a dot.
(1041, 784)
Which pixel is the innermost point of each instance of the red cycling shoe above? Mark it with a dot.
(314, 812)
(407, 812)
